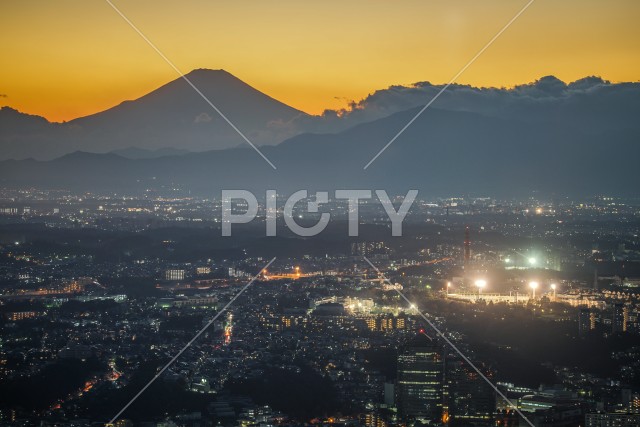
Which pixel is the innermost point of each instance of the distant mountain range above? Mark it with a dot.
(581, 138)
(141, 153)
(172, 116)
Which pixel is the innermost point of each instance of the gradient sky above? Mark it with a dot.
(68, 58)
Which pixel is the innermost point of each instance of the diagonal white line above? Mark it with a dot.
(150, 43)
(445, 87)
(244, 288)
(451, 344)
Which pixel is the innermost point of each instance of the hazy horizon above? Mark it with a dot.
(349, 104)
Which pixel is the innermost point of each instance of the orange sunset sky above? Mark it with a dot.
(68, 58)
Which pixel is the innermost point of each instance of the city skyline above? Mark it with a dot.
(331, 214)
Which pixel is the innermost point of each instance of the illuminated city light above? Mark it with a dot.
(533, 286)
(481, 283)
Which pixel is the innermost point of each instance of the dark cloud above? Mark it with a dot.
(593, 103)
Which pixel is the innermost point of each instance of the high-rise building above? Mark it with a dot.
(612, 420)
(420, 380)
(469, 399)
(619, 318)
(584, 321)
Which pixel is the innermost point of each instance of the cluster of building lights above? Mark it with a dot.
(532, 261)
(482, 283)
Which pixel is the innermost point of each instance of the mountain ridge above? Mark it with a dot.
(546, 135)
(442, 153)
(173, 115)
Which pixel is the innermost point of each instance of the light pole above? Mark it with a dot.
(448, 286)
(533, 286)
(480, 283)
(553, 288)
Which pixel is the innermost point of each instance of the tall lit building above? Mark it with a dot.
(584, 321)
(228, 329)
(619, 318)
(612, 420)
(469, 399)
(420, 380)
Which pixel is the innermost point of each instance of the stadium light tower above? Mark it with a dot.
(533, 286)
(480, 283)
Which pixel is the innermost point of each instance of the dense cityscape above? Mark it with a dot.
(531, 314)
(320, 214)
